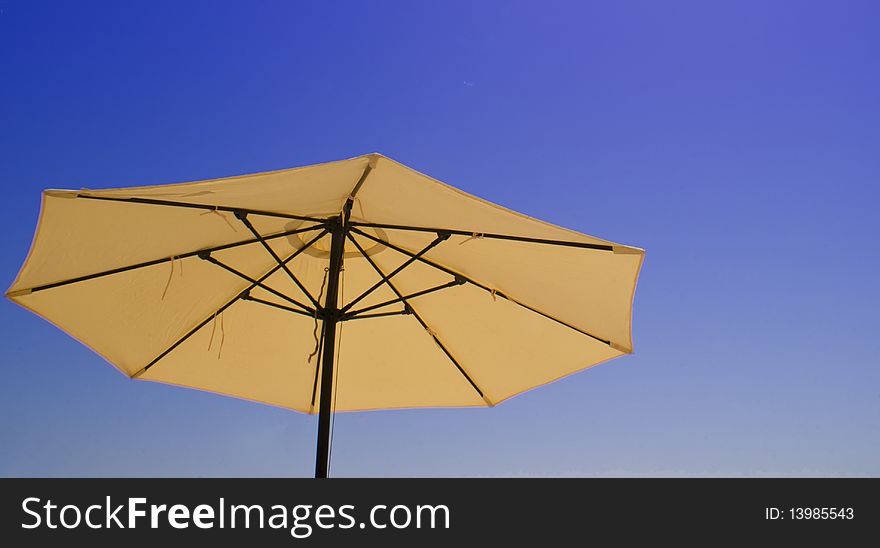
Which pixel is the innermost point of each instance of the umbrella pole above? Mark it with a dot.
(331, 318)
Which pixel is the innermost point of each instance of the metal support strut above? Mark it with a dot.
(331, 313)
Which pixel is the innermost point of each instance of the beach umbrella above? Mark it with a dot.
(352, 285)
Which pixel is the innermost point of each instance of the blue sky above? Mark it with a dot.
(738, 142)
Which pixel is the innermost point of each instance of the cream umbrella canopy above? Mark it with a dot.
(351, 285)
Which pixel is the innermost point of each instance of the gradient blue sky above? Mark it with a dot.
(738, 142)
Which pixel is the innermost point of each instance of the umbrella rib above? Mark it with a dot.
(248, 297)
(353, 194)
(190, 205)
(162, 260)
(229, 303)
(242, 216)
(440, 238)
(481, 286)
(489, 235)
(355, 314)
(421, 321)
(403, 312)
(257, 283)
